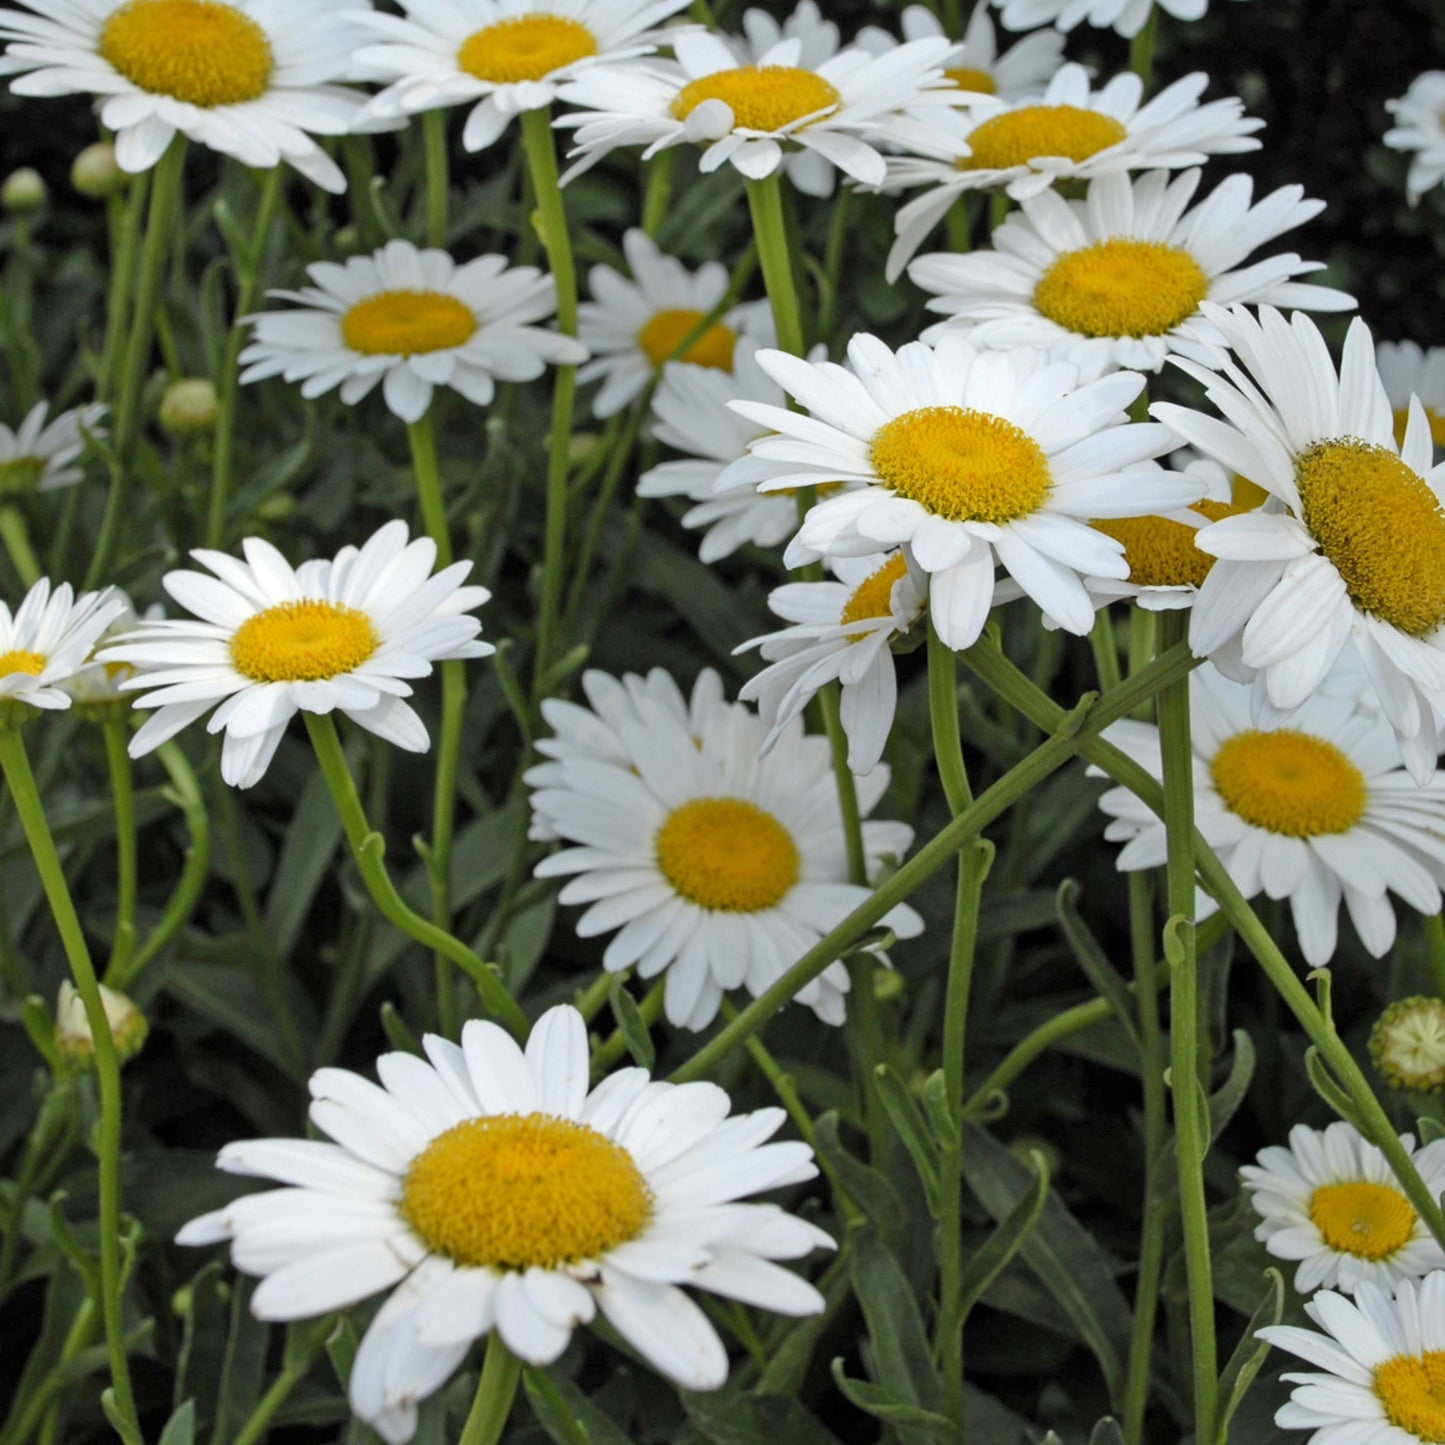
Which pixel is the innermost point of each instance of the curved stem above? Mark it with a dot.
(122, 789)
(501, 1371)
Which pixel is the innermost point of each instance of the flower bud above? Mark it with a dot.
(95, 172)
(189, 407)
(73, 1038)
(23, 192)
(1408, 1045)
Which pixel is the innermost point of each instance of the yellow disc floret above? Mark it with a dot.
(19, 660)
(404, 323)
(200, 51)
(513, 1191)
(967, 466)
(303, 642)
(667, 330)
(1412, 1390)
(761, 97)
(1161, 552)
(1290, 782)
(1120, 287)
(1381, 525)
(966, 78)
(1019, 136)
(526, 47)
(727, 854)
(1370, 1221)
(873, 596)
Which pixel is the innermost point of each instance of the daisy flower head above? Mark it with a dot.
(1118, 277)
(759, 115)
(968, 460)
(1312, 812)
(716, 865)
(1331, 1202)
(1070, 132)
(40, 458)
(45, 642)
(631, 328)
(342, 634)
(489, 1189)
(95, 689)
(819, 38)
(1421, 115)
(411, 320)
(249, 78)
(1407, 370)
(1380, 1366)
(1407, 1045)
(1350, 545)
(502, 57)
(1124, 17)
(842, 631)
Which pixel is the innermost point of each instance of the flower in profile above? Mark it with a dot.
(1331, 1202)
(758, 116)
(632, 327)
(45, 642)
(128, 1026)
(1071, 132)
(1421, 116)
(412, 320)
(1124, 17)
(1117, 279)
(40, 458)
(489, 1189)
(95, 688)
(1406, 370)
(243, 77)
(1351, 544)
(842, 632)
(1380, 1366)
(1407, 1045)
(969, 460)
(329, 635)
(502, 57)
(1313, 812)
(718, 866)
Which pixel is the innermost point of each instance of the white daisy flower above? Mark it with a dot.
(968, 459)
(716, 865)
(96, 688)
(843, 632)
(1312, 812)
(39, 458)
(777, 111)
(248, 78)
(1023, 71)
(819, 38)
(1071, 132)
(1421, 113)
(632, 327)
(411, 320)
(1381, 1366)
(1116, 279)
(1332, 1202)
(507, 56)
(1124, 17)
(45, 642)
(342, 634)
(1407, 370)
(489, 1189)
(692, 411)
(1352, 541)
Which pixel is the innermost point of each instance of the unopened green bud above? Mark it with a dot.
(1408, 1045)
(95, 172)
(73, 1038)
(23, 192)
(189, 407)
(277, 509)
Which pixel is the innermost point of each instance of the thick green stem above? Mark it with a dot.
(122, 790)
(16, 537)
(434, 138)
(501, 1370)
(765, 200)
(1435, 952)
(26, 797)
(367, 847)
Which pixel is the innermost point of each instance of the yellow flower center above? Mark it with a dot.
(966, 78)
(526, 47)
(303, 642)
(403, 323)
(667, 330)
(1289, 782)
(511, 1191)
(1382, 527)
(1407, 1044)
(727, 854)
(1122, 288)
(1247, 496)
(20, 475)
(1019, 136)
(1412, 1390)
(967, 466)
(1370, 1221)
(200, 51)
(761, 97)
(1161, 552)
(21, 661)
(873, 596)
(1435, 418)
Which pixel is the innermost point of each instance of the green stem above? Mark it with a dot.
(1435, 955)
(367, 848)
(833, 261)
(658, 195)
(1141, 49)
(765, 201)
(122, 280)
(296, 1369)
(16, 767)
(16, 537)
(501, 1370)
(434, 137)
(551, 223)
(122, 789)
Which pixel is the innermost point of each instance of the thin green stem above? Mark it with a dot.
(367, 848)
(434, 138)
(765, 201)
(657, 198)
(298, 1364)
(122, 283)
(833, 261)
(1141, 48)
(122, 791)
(16, 537)
(501, 1370)
(26, 797)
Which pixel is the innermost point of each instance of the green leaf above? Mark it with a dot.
(1006, 1241)
(1106, 1432)
(631, 1023)
(566, 1414)
(924, 1427)
(727, 1418)
(243, 1369)
(181, 1427)
(1225, 1102)
(873, 1194)
(313, 833)
(1249, 1354)
(906, 1116)
(1090, 956)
